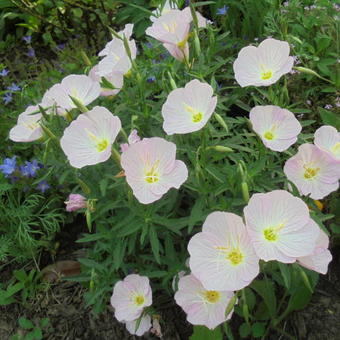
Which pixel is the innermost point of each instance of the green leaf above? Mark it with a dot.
(258, 329)
(329, 118)
(244, 330)
(204, 333)
(285, 272)
(37, 333)
(25, 323)
(299, 299)
(266, 290)
(78, 12)
(154, 243)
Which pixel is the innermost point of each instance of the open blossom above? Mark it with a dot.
(313, 171)
(133, 138)
(151, 168)
(130, 297)
(28, 128)
(80, 87)
(115, 78)
(203, 307)
(188, 109)
(321, 256)
(118, 63)
(263, 65)
(88, 139)
(172, 29)
(327, 138)
(75, 202)
(222, 256)
(144, 326)
(280, 227)
(278, 128)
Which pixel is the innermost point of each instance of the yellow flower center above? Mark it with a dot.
(269, 135)
(211, 296)
(102, 145)
(196, 116)
(139, 300)
(171, 27)
(310, 173)
(271, 234)
(266, 75)
(235, 257)
(152, 175)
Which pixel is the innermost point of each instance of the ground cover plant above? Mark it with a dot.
(200, 143)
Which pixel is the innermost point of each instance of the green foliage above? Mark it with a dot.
(31, 331)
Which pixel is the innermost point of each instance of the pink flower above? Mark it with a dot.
(151, 168)
(81, 87)
(28, 128)
(172, 29)
(327, 139)
(162, 9)
(278, 128)
(222, 256)
(201, 21)
(263, 65)
(321, 256)
(188, 109)
(203, 307)
(88, 139)
(115, 78)
(280, 227)
(75, 202)
(130, 297)
(313, 171)
(144, 326)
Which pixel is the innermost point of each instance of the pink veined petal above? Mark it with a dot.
(279, 144)
(299, 243)
(246, 66)
(144, 326)
(178, 53)
(327, 138)
(274, 53)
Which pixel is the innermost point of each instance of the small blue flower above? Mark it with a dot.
(31, 52)
(7, 98)
(148, 44)
(14, 87)
(4, 72)
(223, 10)
(43, 186)
(151, 79)
(27, 39)
(30, 168)
(60, 47)
(8, 166)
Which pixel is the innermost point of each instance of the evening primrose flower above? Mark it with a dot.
(172, 29)
(321, 256)
(130, 297)
(278, 128)
(327, 139)
(115, 78)
(80, 87)
(313, 171)
(222, 256)
(263, 65)
(151, 168)
(188, 109)
(88, 139)
(28, 127)
(280, 227)
(118, 63)
(202, 306)
(144, 326)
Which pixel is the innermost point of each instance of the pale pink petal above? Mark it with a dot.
(327, 138)
(144, 326)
